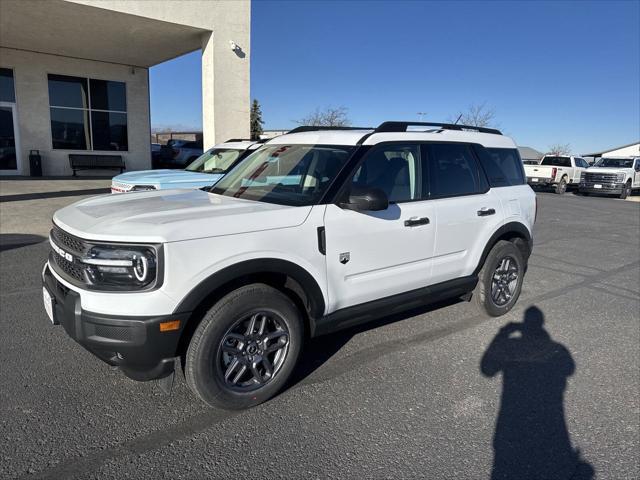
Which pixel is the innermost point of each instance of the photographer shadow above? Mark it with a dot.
(531, 439)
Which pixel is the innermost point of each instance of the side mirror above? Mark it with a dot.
(366, 198)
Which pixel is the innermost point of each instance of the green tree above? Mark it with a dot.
(256, 120)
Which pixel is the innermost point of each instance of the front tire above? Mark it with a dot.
(245, 348)
(626, 190)
(500, 279)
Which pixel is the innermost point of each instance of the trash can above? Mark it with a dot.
(35, 163)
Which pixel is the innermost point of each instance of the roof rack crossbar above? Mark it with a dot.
(402, 127)
(312, 128)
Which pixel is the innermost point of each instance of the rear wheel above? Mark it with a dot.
(626, 190)
(561, 187)
(245, 348)
(500, 279)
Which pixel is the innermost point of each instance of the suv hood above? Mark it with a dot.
(172, 215)
(167, 177)
(607, 170)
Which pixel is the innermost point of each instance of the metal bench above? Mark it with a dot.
(87, 161)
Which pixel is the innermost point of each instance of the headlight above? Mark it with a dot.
(126, 267)
(621, 177)
(142, 188)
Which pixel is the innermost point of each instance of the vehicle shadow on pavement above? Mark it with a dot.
(9, 241)
(317, 351)
(531, 439)
(44, 195)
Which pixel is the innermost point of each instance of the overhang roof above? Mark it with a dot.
(81, 31)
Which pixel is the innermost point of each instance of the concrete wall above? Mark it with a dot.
(225, 73)
(32, 100)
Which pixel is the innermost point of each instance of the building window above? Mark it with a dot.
(87, 114)
(7, 90)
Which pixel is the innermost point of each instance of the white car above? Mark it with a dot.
(612, 175)
(314, 232)
(556, 171)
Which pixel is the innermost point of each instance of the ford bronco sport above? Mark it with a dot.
(318, 230)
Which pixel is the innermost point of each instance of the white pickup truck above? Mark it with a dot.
(557, 171)
(612, 175)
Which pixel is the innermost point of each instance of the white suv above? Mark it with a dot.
(318, 230)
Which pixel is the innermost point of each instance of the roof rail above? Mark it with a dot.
(402, 127)
(311, 128)
(238, 140)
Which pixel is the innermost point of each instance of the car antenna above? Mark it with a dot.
(457, 119)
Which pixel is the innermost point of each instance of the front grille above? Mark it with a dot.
(67, 241)
(593, 177)
(112, 332)
(120, 187)
(70, 268)
(72, 247)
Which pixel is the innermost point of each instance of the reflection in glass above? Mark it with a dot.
(108, 95)
(109, 131)
(69, 129)
(7, 140)
(7, 91)
(65, 91)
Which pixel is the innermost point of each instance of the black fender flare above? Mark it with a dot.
(512, 228)
(313, 292)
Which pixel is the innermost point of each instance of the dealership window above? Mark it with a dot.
(87, 114)
(7, 90)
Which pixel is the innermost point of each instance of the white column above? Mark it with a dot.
(225, 86)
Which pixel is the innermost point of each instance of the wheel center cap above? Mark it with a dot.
(252, 349)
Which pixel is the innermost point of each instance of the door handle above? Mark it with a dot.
(486, 211)
(413, 222)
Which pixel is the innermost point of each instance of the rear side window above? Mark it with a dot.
(503, 166)
(556, 161)
(453, 170)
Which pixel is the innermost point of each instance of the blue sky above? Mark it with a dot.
(553, 72)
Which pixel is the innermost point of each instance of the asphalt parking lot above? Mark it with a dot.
(437, 393)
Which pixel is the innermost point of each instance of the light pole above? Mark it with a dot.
(421, 114)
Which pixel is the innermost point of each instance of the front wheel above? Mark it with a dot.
(626, 191)
(500, 279)
(245, 348)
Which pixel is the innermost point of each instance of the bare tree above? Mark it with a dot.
(327, 117)
(560, 149)
(476, 116)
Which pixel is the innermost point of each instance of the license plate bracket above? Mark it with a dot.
(49, 305)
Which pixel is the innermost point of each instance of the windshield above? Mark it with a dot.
(556, 161)
(285, 174)
(616, 162)
(216, 160)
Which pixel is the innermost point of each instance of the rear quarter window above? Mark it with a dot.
(503, 166)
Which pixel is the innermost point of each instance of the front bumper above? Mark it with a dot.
(605, 188)
(134, 344)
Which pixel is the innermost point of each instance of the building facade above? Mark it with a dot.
(74, 75)
(629, 150)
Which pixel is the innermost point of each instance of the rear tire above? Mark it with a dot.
(626, 190)
(561, 187)
(230, 362)
(500, 279)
